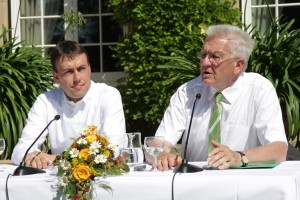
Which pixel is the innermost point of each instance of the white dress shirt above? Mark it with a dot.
(101, 106)
(251, 115)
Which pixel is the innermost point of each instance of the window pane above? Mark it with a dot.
(54, 7)
(289, 13)
(31, 31)
(88, 6)
(262, 2)
(104, 7)
(30, 8)
(109, 63)
(261, 18)
(48, 50)
(89, 33)
(54, 30)
(288, 1)
(94, 57)
(111, 30)
(97, 34)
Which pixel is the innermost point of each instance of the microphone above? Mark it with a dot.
(22, 169)
(185, 167)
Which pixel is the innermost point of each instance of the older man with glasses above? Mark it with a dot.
(237, 121)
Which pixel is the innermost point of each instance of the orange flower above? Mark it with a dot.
(84, 153)
(74, 145)
(93, 129)
(103, 140)
(82, 172)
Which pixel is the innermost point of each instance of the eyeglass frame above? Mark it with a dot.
(212, 57)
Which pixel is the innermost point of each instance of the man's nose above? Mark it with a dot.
(76, 75)
(205, 62)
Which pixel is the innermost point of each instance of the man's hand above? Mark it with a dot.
(39, 160)
(222, 157)
(166, 160)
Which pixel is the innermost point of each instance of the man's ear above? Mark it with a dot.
(55, 77)
(239, 65)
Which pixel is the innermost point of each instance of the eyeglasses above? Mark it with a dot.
(213, 58)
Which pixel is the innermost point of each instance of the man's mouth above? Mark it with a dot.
(206, 72)
(77, 86)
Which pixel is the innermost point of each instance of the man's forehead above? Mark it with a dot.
(217, 44)
(69, 57)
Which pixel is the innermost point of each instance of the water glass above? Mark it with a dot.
(132, 152)
(2, 145)
(154, 145)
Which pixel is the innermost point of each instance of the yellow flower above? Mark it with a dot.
(74, 161)
(94, 172)
(107, 153)
(84, 153)
(91, 137)
(93, 129)
(82, 172)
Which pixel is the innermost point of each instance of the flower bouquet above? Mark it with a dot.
(90, 156)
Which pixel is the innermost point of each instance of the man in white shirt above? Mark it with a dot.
(251, 129)
(79, 102)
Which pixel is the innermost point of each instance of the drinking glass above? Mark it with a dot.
(2, 145)
(154, 145)
(132, 151)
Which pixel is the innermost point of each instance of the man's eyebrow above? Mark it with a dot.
(68, 69)
(83, 65)
(72, 68)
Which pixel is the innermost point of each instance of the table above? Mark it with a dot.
(281, 182)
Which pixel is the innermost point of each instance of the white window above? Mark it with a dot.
(257, 14)
(39, 22)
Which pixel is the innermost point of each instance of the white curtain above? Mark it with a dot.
(52, 7)
(261, 17)
(32, 29)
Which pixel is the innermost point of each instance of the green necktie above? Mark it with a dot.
(215, 122)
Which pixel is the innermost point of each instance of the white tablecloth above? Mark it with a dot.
(281, 182)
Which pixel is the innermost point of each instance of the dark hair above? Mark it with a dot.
(68, 49)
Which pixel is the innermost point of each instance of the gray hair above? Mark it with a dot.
(242, 43)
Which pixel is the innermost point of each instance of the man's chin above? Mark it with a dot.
(75, 97)
(207, 81)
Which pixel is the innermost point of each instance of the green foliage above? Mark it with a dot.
(181, 67)
(24, 74)
(162, 27)
(277, 57)
(74, 20)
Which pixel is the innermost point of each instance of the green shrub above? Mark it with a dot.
(277, 57)
(162, 27)
(24, 74)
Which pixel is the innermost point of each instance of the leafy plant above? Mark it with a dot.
(74, 20)
(24, 73)
(181, 67)
(161, 27)
(277, 57)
